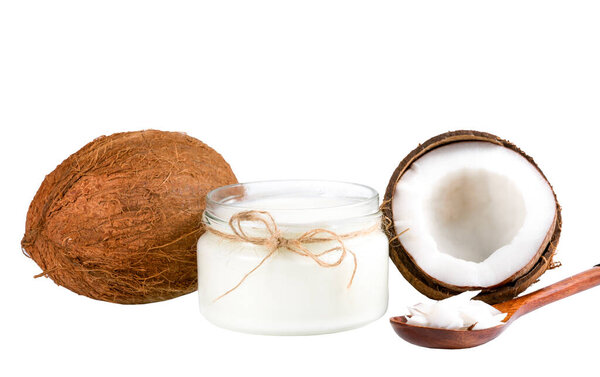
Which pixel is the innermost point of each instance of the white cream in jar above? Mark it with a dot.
(290, 293)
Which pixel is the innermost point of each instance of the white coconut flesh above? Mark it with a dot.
(477, 213)
(456, 312)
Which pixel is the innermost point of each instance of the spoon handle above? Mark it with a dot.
(564, 288)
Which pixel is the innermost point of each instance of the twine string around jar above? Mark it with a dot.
(274, 240)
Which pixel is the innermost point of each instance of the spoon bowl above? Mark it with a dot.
(432, 337)
(453, 339)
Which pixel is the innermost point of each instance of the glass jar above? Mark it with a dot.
(262, 273)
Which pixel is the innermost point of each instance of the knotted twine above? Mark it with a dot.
(274, 240)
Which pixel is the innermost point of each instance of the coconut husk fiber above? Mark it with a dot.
(439, 290)
(119, 219)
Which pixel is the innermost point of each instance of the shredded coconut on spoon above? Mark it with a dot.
(458, 312)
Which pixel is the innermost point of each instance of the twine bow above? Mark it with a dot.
(274, 241)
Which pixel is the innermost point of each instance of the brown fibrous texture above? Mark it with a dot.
(436, 289)
(119, 219)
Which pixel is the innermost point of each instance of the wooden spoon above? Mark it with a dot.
(444, 338)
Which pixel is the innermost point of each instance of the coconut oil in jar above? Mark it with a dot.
(295, 286)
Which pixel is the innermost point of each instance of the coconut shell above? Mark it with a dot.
(119, 219)
(439, 290)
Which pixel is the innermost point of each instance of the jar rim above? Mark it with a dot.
(346, 200)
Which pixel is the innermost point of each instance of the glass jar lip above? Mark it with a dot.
(357, 201)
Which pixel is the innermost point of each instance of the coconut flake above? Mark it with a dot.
(456, 312)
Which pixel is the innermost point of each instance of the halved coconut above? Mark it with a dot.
(481, 216)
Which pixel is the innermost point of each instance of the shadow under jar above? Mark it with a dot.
(297, 290)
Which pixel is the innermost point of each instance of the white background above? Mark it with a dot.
(294, 89)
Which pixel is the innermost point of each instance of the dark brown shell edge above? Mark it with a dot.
(433, 288)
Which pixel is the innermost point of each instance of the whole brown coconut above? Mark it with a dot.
(118, 220)
(436, 289)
